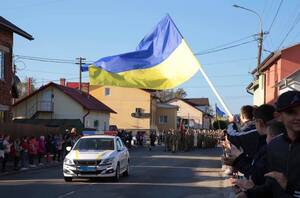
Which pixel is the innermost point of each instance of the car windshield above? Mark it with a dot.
(95, 144)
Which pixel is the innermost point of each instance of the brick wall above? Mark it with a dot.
(6, 43)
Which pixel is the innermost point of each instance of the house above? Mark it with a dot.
(6, 66)
(291, 82)
(276, 67)
(136, 107)
(54, 101)
(188, 112)
(166, 116)
(203, 105)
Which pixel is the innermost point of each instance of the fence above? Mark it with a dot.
(20, 130)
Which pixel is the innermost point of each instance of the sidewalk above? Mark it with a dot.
(11, 171)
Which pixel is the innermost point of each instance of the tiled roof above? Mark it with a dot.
(14, 28)
(84, 99)
(197, 101)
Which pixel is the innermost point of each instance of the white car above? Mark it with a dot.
(96, 156)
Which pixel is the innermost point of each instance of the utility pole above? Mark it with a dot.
(260, 43)
(80, 62)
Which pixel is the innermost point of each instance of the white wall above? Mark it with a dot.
(101, 117)
(258, 95)
(65, 107)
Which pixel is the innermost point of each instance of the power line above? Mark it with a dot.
(296, 21)
(42, 59)
(50, 60)
(229, 43)
(207, 51)
(229, 61)
(40, 71)
(224, 48)
(275, 15)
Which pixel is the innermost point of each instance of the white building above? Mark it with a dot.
(53, 101)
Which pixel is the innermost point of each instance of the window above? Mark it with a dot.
(163, 119)
(95, 144)
(107, 92)
(138, 110)
(2, 65)
(96, 123)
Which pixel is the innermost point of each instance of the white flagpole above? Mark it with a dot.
(214, 90)
(206, 77)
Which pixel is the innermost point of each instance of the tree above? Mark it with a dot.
(24, 87)
(170, 94)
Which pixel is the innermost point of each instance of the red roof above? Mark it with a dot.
(86, 100)
(75, 85)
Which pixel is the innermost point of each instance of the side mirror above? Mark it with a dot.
(68, 148)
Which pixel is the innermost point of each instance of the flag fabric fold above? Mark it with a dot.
(162, 60)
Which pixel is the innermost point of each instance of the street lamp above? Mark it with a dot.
(260, 34)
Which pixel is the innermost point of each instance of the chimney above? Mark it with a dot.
(63, 81)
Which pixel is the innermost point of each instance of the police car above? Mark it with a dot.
(96, 156)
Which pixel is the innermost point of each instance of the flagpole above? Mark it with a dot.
(214, 90)
(205, 76)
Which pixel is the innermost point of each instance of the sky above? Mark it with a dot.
(68, 29)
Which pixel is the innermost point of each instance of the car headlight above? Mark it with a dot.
(107, 161)
(68, 162)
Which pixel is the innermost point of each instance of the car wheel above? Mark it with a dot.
(68, 179)
(126, 173)
(116, 178)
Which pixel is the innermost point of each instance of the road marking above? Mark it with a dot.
(66, 194)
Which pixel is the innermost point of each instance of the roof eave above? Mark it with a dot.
(16, 29)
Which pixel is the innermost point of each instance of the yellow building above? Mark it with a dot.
(166, 116)
(187, 111)
(136, 108)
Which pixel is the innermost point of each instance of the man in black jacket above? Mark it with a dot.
(256, 168)
(283, 153)
(246, 138)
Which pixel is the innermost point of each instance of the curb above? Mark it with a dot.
(30, 169)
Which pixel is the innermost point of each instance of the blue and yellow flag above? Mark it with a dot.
(219, 112)
(162, 60)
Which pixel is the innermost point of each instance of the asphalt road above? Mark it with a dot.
(153, 174)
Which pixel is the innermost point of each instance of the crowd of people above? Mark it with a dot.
(261, 144)
(261, 149)
(29, 152)
(190, 139)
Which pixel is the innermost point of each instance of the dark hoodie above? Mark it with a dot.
(247, 138)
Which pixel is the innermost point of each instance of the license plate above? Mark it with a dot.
(87, 168)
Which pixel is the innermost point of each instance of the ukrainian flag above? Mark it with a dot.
(162, 60)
